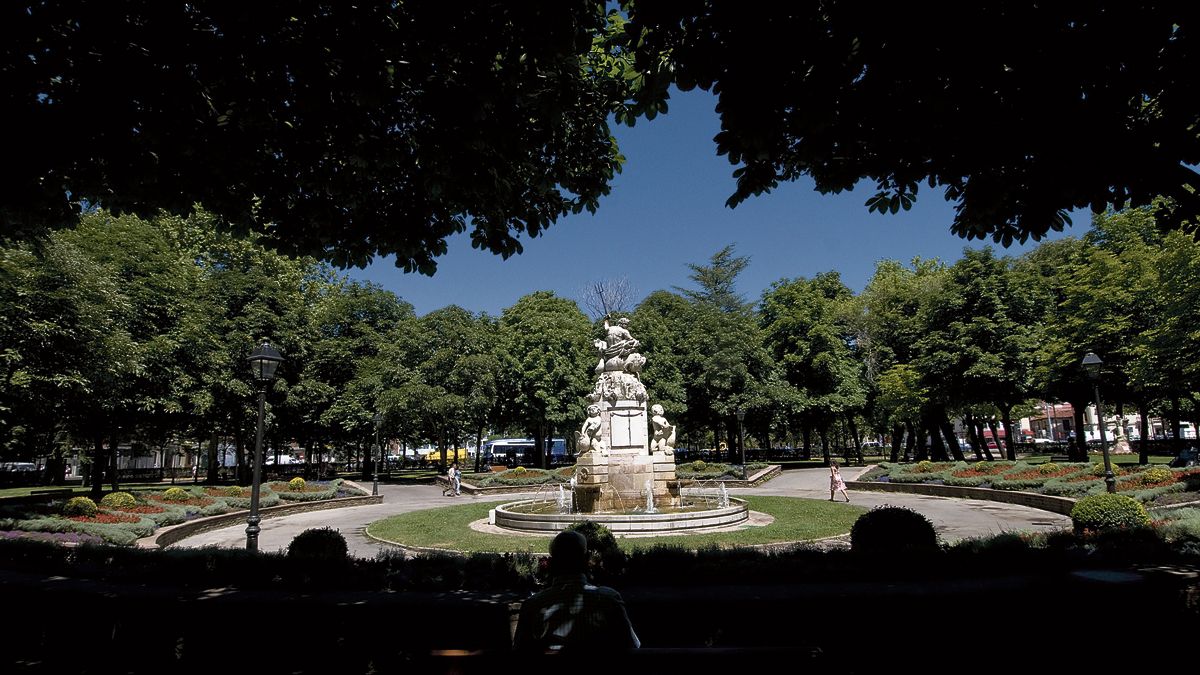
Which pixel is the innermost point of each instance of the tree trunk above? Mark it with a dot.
(922, 448)
(97, 474)
(856, 438)
(824, 433)
(1009, 437)
(213, 443)
(806, 431)
(897, 439)
(938, 448)
(991, 423)
(479, 450)
(951, 440)
(983, 445)
(910, 444)
(539, 444)
(1144, 429)
(973, 436)
(239, 457)
(1176, 426)
(114, 451)
(1078, 450)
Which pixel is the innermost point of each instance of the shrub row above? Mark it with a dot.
(1064, 480)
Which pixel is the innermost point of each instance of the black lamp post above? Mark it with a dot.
(1091, 364)
(375, 482)
(741, 415)
(263, 362)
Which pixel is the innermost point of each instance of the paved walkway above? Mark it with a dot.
(954, 519)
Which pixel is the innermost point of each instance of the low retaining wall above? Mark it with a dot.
(1059, 505)
(165, 536)
(640, 523)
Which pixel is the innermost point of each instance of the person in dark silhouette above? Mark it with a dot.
(571, 613)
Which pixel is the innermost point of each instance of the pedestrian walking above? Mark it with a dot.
(836, 484)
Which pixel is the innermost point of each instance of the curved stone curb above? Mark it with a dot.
(1172, 507)
(1059, 505)
(166, 536)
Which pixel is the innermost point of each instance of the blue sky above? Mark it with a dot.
(667, 209)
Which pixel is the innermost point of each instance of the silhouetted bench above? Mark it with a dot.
(1059, 458)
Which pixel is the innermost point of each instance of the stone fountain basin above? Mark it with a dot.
(532, 515)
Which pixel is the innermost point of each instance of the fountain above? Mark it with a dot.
(564, 502)
(625, 457)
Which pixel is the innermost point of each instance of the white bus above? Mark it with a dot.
(519, 451)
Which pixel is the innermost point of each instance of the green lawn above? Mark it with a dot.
(448, 528)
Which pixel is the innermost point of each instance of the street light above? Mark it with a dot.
(375, 482)
(1091, 365)
(741, 415)
(263, 362)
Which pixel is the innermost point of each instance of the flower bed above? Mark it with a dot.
(125, 523)
(105, 518)
(1144, 483)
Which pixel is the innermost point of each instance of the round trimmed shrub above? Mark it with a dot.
(1108, 511)
(606, 560)
(1157, 474)
(923, 466)
(1048, 467)
(80, 506)
(297, 484)
(118, 500)
(324, 544)
(889, 529)
(520, 470)
(176, 494)
(699, 466)
(981, 466)
(233, 491)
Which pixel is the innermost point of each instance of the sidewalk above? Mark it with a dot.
(954, 519)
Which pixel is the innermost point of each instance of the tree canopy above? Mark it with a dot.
(1019, 111)
(349, 131)
(337, 130)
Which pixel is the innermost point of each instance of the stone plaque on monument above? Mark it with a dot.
(627, 420)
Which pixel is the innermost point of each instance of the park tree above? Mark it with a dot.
(342, 131)
(454, 353)
(727, 368)
(348, 323)
(1172, 347)
(887, 327)
(979, 343)
(547, 364)
(246, 293)
(807, 327)
(1006, 128)
(609, 296)
(662, 323)
(63, 344)
(164, 323)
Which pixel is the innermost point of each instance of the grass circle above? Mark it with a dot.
(448, 528)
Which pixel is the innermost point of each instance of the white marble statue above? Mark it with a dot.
(589, 435)
(664, 432)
